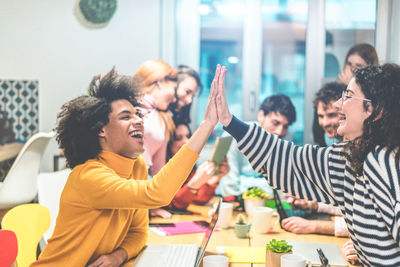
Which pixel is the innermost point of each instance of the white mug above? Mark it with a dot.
(215, 261)
(225, 215)
(262, 219)
(292, 260)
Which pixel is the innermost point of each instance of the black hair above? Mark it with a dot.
(171, 140)
(279, 103)
(80, 120)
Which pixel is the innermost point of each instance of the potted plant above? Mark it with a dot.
(254, 197)
(275, 249)
(241, 227)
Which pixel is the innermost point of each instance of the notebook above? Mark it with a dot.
(176, 255)
(180, 228)
(309, 251)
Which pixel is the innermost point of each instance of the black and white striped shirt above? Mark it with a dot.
(369, 203)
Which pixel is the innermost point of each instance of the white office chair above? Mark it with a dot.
(50, 187)
(20, 184)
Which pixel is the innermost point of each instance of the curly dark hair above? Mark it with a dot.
(80, 120)
(380, 84)
(329, 92)
(279, 103)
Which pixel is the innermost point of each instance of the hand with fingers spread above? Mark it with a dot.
(203, 173)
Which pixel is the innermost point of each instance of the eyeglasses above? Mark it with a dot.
(345, 97)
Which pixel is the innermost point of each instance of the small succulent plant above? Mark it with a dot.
(280, 246)
(240, 219)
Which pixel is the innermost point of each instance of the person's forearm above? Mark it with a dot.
(324, 227)
(200, 136)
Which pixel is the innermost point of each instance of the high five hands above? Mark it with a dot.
(217, 106)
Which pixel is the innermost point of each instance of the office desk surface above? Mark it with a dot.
(226, 237)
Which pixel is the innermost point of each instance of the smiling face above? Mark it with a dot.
(181, 137)
(123, 134)
(352, 113)
(273, 122)
(355, 62)
(187, 89)
(164, 94)
(328, 118)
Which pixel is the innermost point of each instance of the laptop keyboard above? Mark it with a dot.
(180, 255)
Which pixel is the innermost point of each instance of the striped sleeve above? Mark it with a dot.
(382, 172)
(300, 171)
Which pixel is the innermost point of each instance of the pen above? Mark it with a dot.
(323, 258)
(161, 224)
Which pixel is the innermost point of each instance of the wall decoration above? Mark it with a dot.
(98, 11)
(19, 101)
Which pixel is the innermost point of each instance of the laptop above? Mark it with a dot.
(177, 255)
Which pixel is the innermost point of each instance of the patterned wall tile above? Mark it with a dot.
(19, 101)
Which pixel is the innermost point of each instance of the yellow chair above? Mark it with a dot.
(29, 222)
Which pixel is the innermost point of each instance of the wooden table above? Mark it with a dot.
(226, 237)
(9, 151)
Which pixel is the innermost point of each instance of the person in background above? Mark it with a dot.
(275, 115)
(200, 185)
(158, 84)
(188, 84)
(359, 56)
(327, 121)
(299, 225)
(103, 215)
(360, 175)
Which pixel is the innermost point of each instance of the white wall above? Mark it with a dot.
(45, 40)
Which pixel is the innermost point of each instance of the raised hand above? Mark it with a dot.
(210, 119)
(224, 115)
(203, 173)
(210, 114)
(345, 75)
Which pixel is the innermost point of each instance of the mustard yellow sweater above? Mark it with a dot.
(104, 206)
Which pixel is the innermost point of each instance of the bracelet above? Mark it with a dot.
(193, 190)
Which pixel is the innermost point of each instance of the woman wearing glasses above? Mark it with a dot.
(359, 56)
(360, 175)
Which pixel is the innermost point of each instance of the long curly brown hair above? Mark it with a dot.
(81, 119)
(380, 84)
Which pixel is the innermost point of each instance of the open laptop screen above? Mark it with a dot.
(209, 231)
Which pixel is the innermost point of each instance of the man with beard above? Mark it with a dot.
(326, 115)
